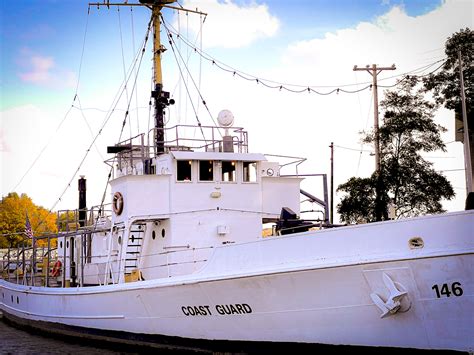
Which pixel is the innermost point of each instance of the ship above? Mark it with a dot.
(178, 259)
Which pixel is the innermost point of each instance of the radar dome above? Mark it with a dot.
(225, 118)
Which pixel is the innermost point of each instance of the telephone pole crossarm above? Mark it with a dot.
(374, 71)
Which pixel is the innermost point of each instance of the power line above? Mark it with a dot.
(295, 88)
(354, 149)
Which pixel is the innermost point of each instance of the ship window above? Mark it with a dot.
(206, 171)
(184, 170)
(249, 171)
(153, 235)
(228, 171)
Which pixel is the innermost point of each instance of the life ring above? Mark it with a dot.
(56, 269)
(117, 203)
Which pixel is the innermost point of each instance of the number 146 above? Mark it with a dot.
(445, 290)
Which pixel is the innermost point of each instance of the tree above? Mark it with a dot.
(13, 211)
(445, 84)
(409, 182)
(359, 205)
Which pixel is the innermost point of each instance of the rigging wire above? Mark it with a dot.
(90, 129)
(171, 41)
(286, 86)
(106, 120)
(187, 78)
(179, 80)
(188, 56)
(139, 56)
(133, 49)
(201, 22)
(68, 111)
(123, 62)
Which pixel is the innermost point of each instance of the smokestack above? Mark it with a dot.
(82, 201)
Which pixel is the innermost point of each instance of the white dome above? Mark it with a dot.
(225, 118)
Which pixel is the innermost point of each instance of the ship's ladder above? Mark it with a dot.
(133, 250)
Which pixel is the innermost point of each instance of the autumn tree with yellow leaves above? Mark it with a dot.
(13, 211)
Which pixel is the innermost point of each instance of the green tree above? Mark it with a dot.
(445, 84)
(409, 183)
(358, 206)
(13, 211)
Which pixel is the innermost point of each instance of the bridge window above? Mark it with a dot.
(249, 171)
(206, 170)
(183, 170)
(228, 171)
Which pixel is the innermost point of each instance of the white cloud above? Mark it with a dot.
(395, 37)
(228, 24)
(42, 70)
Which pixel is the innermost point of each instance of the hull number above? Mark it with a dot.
(445, 290)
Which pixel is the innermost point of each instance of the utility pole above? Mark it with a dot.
(331, 220)
(467, 146)
(380, 209)
(374, 71)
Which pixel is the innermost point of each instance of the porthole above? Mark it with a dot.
(17, 300)
(67, 244)
(163, 233)
(12, 298)
(133, 238)
(119, 239)
(416, 243)
(153, 235)
(61, 244)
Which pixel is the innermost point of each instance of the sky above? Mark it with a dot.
(63, 63)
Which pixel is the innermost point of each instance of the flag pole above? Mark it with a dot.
(30, 235)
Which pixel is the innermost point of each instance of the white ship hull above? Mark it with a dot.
(313, 287)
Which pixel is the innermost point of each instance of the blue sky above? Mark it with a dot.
(55, 29)
(307, 42)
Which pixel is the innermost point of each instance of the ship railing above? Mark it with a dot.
(70, 220)
(288, 161)
(130, 155)
(32, 264)
(164, 263)
(161, 262)
(200, 138)
(27, 265)
(295, 162)
(192, 257)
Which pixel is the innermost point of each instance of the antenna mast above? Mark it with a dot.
(161, 97)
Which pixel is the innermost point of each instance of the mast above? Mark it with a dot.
(161, 98)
